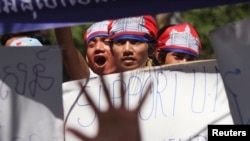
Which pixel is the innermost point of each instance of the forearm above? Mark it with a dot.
(74, 62)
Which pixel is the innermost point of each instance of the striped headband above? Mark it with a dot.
(142, 28)
(96, 29)
(181, 38)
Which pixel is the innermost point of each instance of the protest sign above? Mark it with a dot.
(185, 98)
(31, 94)
(232, 47)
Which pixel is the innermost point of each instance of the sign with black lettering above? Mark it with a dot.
(31, 94)
(33, 72)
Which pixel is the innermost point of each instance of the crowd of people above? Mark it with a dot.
(128, 43)
(116, 46)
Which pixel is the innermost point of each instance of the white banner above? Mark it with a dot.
(185, 98)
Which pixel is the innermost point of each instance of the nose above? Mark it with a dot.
(127, 49)
(127, 45)
(183, 60)
(99, 47)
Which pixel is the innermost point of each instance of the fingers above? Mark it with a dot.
(106, 92)
(122, 91)
(78, 134)
(90, 101)
(145, 95)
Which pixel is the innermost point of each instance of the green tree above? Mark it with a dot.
(207, 19)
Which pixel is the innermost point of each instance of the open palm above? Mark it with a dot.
(117, 123)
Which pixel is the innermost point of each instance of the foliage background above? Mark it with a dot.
(208, 19)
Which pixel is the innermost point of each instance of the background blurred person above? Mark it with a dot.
(178, 43)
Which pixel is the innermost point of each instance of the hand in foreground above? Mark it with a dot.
(117, 123)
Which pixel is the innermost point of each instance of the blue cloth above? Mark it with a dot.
(26, 41)
(15, 17)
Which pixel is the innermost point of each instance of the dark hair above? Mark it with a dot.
(152, 46)
(162, 54)
(32, 34)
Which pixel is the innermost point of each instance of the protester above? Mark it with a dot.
(99, 55)
(74, 63)
(142, 42)
(133, 40)
(30, 38)
(178, 43)
(99, 59)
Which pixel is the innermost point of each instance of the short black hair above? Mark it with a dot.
(162, 55)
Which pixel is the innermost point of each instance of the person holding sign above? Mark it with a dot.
(133, 40)
(178, 43)
(99, 55)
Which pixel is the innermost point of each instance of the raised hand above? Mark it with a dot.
(117, 123)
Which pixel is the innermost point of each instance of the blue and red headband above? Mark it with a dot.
(181, 38)
(96, 30)
(143, 28)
